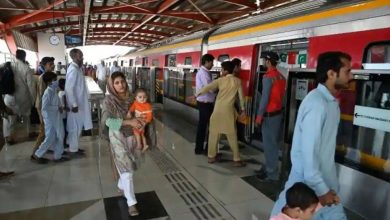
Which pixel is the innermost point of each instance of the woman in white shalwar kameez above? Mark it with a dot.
(120, 131)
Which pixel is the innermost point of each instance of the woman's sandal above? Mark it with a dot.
(133, 211)
(239, 163)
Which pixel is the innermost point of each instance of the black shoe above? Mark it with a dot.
(4, 175)
(77, 154)
(62, 159)
(198, 152)
(260, 171)
(39, 160)
(81, 151)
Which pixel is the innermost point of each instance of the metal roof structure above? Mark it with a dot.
(125, 22)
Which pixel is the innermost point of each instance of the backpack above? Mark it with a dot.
(7, 82)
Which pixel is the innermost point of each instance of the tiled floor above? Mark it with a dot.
(172, 183)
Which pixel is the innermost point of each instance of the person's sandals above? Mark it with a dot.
(239, 163)
(217, 158)
(133, 211)
(146, 147)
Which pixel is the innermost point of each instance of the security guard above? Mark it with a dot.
(269, 115)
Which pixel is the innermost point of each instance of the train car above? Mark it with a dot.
(298, 33)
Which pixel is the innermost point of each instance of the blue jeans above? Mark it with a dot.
(271, 129)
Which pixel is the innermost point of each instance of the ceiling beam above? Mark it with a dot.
(140, 2)
(165, 5)
(17, 9)
(14, 22)
(108, 21)
(232, 17)
(129, 37)
(184, 15)
(116, 38)
(241, 3)
(151, 38)
(125, 30)
(87, 8)
(275, 3)
(122, 9)
(44, 16)
(197, 8)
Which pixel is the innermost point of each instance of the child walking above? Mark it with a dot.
(63, 107)
(302, 203)
(54, 129)
(141, 109)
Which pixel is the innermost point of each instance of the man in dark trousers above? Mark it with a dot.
(269, 115)
(205, 102)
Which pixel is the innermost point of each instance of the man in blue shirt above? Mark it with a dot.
(205, 102)
(314, 140)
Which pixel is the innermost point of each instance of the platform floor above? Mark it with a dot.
(172, 183)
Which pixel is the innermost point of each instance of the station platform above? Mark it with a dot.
(172, 183)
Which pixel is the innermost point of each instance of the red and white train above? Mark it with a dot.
(298, 33)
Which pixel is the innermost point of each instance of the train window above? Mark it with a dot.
(155, 62)
(171, 60)
(378, 53)
(223, 58)
(188, 61)
(145, 61)
(292, 53)
(131, 62)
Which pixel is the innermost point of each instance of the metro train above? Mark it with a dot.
(298, 33)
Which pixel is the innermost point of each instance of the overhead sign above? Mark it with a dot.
(301, 89)
(374, 118)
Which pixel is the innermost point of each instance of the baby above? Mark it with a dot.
(302, 203)
(141, 109)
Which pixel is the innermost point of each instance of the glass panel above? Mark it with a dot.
(378, 54)
(361, 145)
(171, 60)
(155, 62)
(223, 58)
(188, 61)
(189, 81)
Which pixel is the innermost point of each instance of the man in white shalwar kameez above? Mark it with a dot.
(76, 92)
(21, 101)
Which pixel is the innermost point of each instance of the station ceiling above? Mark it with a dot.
(126, 22)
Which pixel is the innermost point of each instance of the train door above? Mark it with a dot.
(144, 78)
(189, 86)
(292, 54)
(158, 84)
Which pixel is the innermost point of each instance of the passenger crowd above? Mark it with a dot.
(312, 189)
